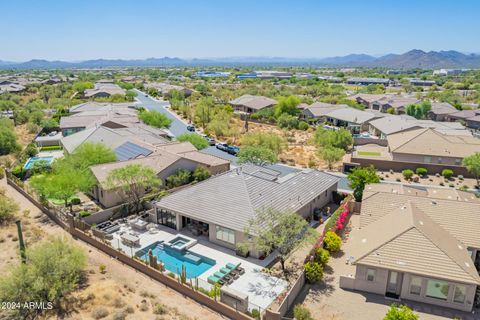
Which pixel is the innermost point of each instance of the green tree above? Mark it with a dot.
(179, 178)
(8, 140)
(283, 231)
(8, 207)
(419, 111)
(62, 185)
(154, 118)
(53, 270)
(472, 163)
(257, 155)
(328, 138)
(200, 173)
(197, 140)
(130, 95)
(80, 87)
(400, 313)
(132, 181)
(331, 155)
(274, 142)
(359, 177)
(204, 110)
(287, 105)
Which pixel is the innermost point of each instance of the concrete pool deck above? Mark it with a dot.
(260, 287)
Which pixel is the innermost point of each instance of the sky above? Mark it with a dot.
(87, 29)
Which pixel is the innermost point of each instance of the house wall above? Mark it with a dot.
(379, 286)
(405, 157)
(473, 124)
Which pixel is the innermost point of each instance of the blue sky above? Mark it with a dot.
(79, 30)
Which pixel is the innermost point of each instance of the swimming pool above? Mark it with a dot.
(173, 260)
(46, 160)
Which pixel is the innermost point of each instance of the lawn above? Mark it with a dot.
(60, 202)
(369, 153)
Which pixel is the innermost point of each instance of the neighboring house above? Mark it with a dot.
(11, 87)
(352, 119)
(415, 148)
(108, 116)
(250, 104)
(398, 123)
(114, 137)
(104, 89)
(408, 245)
(273, 74)
(369, 81)
(440, 111)
(164, 163)
(383, 102)
(471, 118)
(100, 106)
(223, 205)
(318, 111)
(165, 88)
(422, 83)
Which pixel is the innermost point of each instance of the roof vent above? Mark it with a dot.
(467, 264)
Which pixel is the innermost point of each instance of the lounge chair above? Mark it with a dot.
(214, 280)
(230, 272)
(236, 268)
(225, 277)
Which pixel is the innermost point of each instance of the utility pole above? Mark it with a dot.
(21, 242)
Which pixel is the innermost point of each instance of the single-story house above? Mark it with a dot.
(369, 81)
(410, 246)
(471, 118)
(223, 205)
(319, 110)
(351, 118)
(440, 110)
(250, 104)
(422, 83)
(104, 89)
(165, 88)
(164, 161)
(90, 106)
(424, 147)
(383, 102)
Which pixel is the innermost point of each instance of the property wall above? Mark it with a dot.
(399, 166)
(364, 141)
(405, 157)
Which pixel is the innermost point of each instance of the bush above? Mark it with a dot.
(321, 256)
(84, 214)
(50, 148)
(102, 268)
(154, 119)
(99, 313)
(119, 315)
(407, 174)
(2, 173)
(313, 272)
(332, 242)
(400, 313)
(255, 314)
(75, 201)
(447, 173)
(287, 121)
(179, 178)
(200, 174)
(301, 313)
(197, 140)
(421, 171)
(302, 125)
(160, 308)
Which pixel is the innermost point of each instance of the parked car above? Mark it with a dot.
(191, 128)
(233, 150)
(210, 140)
(222, 146)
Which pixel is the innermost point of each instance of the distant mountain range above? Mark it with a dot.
(409, 60)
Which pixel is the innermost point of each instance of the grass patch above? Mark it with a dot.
(369, 153)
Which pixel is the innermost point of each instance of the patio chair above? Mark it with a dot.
(236, 267)
(215, 280)
(229, 272)
(225, 277)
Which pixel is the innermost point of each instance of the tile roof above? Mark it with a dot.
(409, 240)
(353, 115)
(443, 108)
(232, 198)
(253, 102)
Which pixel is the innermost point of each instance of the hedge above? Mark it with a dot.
(48, 148)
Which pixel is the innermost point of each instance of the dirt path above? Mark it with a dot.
(118, 290)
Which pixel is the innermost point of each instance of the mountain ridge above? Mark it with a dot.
(409, 60)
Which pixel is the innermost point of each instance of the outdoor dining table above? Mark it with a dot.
(130, 239)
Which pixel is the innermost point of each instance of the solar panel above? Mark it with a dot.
(130, 150)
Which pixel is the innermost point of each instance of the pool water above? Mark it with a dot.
(46, 160)
(173, 260)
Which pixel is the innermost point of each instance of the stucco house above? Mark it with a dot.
(250, 104)
(104, 89)
(416, 245)
(164, 160)
(222, 206)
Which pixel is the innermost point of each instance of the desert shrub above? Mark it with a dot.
(118, 302)
(421, 171)
(286, 121)
(447, 173)
(75, 201)
(301, 313)
(255, 314)
(144, 306)
(160, 308)
(84, 214)
(407, 174)
(302, 125)
(119, 315)
(332, 242)
(321, 256)
(102, 268)
(129, 309)
(99, 313)
(313, 271)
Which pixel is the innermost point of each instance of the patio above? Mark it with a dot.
(260, 287)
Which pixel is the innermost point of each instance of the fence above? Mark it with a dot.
(80, 230)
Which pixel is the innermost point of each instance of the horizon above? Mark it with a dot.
(214, 30)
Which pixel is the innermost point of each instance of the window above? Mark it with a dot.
(167, 218)
(458, 162)
(440, 160)
(370, 274)
(427, 159)
(416, 285)
(437, 289)
(460, 293)
(225, 234)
